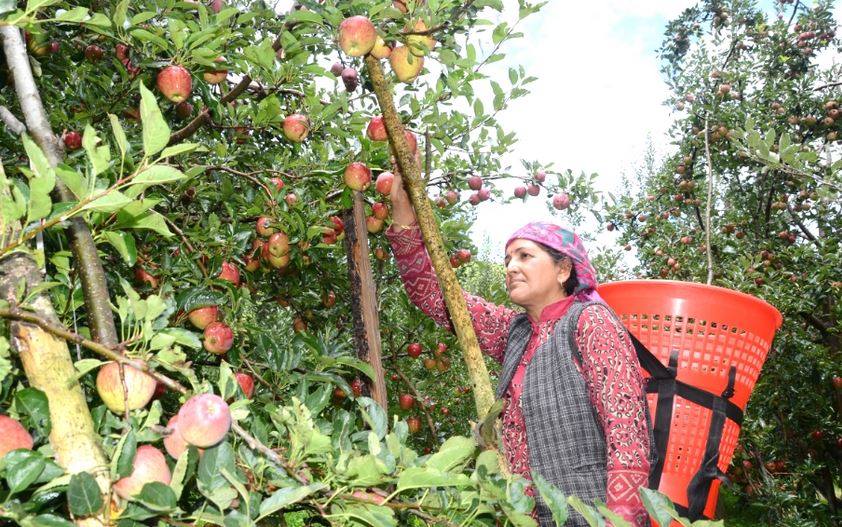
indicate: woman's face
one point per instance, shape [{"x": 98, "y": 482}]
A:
[{"x": 533, "y": 278}]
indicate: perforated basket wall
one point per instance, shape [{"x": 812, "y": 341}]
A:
[{"x": 712, "y": 329}]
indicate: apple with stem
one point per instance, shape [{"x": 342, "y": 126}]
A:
[
  {"x": 175, "y": 83},
  {"x": 218, "y": 338},
  {"x": 140, "y": 387},
  {"x": 414, "y": 350}
]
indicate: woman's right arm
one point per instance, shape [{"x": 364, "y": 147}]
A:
[{"x": 491, "y": 322}]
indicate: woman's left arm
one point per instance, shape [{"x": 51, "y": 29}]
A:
[{"x": 615, "y": 384}]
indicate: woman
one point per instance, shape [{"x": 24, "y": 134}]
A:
[{"x": 575, "y": 405}]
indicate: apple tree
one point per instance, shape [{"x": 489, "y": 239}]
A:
[
  {"x": 183, "y": 186},
  {"x": 750, "y": 201}
]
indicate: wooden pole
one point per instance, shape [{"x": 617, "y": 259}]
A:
[{"x": 364, "y": 298}]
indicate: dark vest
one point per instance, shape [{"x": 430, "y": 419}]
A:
[{"x": 566, "y": 441}]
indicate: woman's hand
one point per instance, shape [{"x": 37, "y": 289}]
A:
[{"x": 402, "y": 212}]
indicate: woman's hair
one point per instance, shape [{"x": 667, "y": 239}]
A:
[{"x": 572, "y": 281}]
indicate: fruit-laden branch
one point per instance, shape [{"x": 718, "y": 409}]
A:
[
  {"x": 49, "y": 368},
  {"x": 82, "y": 244},
  {"x": 453, "y": 296}
]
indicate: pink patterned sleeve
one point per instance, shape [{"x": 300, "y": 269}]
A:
[
  {"x": 616, "y": 388},
  {"x": 491, "y": 322}
]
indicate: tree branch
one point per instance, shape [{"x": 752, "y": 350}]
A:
[
  {"x": 94, "y": 284},
  {"x": 11, "y": 121}
]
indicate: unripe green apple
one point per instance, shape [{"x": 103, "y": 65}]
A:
[{"x": 406, "y": 66}]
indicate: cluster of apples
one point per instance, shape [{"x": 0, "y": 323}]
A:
[
  {"x": 358, "y": 37},
  {"x": 561, "y": 201},
  {"x": 203, "y": 421},
  {"x": 271, "y": 245}
]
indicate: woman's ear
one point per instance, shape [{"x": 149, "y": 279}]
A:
[{"x": 565, "y": 266}]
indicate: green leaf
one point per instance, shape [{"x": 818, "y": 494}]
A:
[
  {"x": 126, "y": 450},
  {"x": 658, "y": 505},
  {"x": 33, "y": 403},
  {"x": 304, "y": 15},
  {"x": 374, "y": 415},
  {"x": 179, "y": 336},
  {"x": 499, "y": 33},
  {"x": 145, "y": 36},
  {"x": 99, "y": 156},
  {"x": 181, "y": 148},
  {"x": 23, "y": 473},
  {"x": 119, "y": 135},
  {"x": 285, "y": 497},
  {"x": 455, "y": 451},
  {"x": 156, "y": 133},
  {"x": 83, "y": 495},
  {"x": 76, "y": 182},
  {"x": 46, "y": 520},
  {"x": 111, "y": 201},
  {"x": 422, "y": 477},
  {"x": 41, "y": 184},
  {"x": 153, "y": 175},
  {"x": 99, "y": 20},
  {"x": 157, "y": 496},
  {"x": 75, "y": 15},
  {"x": 123, "y": 242},
  {"x": 370, "y": 514},
  {"x": 554, "y": 498}
]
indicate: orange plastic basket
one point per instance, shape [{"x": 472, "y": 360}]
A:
[{"x": 712, "y": 329}]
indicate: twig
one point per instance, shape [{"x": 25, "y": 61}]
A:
[
  {"x": 250, "y": 177},
  {"x": 187, "y": 243},
  {"x": 831, "y": 85},
  {"x": 16, "y": 313},
  {"x": 809, "y": 235},
  {"x": 11, "y": 121}
]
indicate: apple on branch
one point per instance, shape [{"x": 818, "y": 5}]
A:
[
  {"x": 140, "y": 387},
  {"x": 13, "y": 436},
  {"x": 296, "y": 127},
  {"x": 383, "y": 184},
  {"x": 357, "y": 36},
  {"x": 204, "y": 420},
  {"x": 149, "y": 465},
  {"x": 217, "y": 75},
  {"x": 357, "y": 176},
  {"x": 405, "y": 65},
  {"x": 175, "y": 83}
]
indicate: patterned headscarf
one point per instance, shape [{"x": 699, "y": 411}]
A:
[{"x": 567, "y": 243}]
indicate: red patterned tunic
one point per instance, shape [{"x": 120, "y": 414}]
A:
[{"x": 609, "y": 366}]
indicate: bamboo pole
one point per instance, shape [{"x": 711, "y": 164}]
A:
[{"x": 453, "y": 296}]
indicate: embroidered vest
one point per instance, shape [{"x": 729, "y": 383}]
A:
[{"x": 565, "y": 439}]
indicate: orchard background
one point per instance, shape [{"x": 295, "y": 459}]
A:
[{"x": 129, "y": 200}]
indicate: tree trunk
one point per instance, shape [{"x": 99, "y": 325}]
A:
[{"x": 364, "y": 298}]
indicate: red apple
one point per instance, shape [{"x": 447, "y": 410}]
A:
[
  {"x": 451, "y": 196},
  {"x": 216, "y": 76},
  {"x": 218, "y": 338},
  {"x": 329, "y": 299},
  {"x": 406, "y": 401},
  {"x": 216, "y": 5},
  {"x": 246, "y": 383},
  {"x": 93, "y": 53},
  {"x": 350, "y": 78},
  {"x": 291, "y": 199},
  {"x": 380, "y": 254},
  {"x": 430, "y": 363},
  {"x": 184, "y": 110},
  {"x": 149, "y": 465},
  {"x": 484, "y": 193},
  {"x": 357, "y": 176},
  {"x": 230, "y": 273},
  {"x": 174, "y": 444},
  {"x": 406, "y": 66},
  {"x": 373, "y": 225},
  {"x": 204, "y": 420},
  {"x": 411, "y": 141},
  {"x": 441, "y": 349},
  {"x": 357, "y": 36},
  {"x": 299, "y": 326},
  {"x": 533, "y": 190},
  {"x": 383, "y": 185},
  {"x": 540, "y": 176},
  {"x": 475, "y": 182},
  {"x": 264, "y": 226},
  {"x": 561, "y": 201},
  {"x": 72, "y": 140},
  {"x": 338, "y": 224},
  {"x": 175, "y": 83},
  {"x": 336, "y": 69},
  {"x": 413, "y": 424},
  {"x": 278, "y": 244},
  {"x": 140, "y": 387},
  {"x": 13, "y": 436},
  {"x": 278, "y": 182},
  {"x": 339, "y": 395},
  {"x": 414, "y": 350},
  {"x": 357, "y": 387},
  {"x": 464, "y": 255},
  {"x": 837, "y": 382},
  {"x": 296, "y": 127},
  {"x": 376, "y": 130},
  {"x": 474, "y": 199},
  {"x": 143, "y": 276},
  {"x": 202, "y": 316},
  {"x": 379, "y": 210},
  {"x": 520, "y": 192}
]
